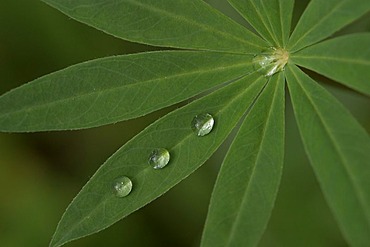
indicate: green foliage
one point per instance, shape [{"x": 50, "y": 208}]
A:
[
  {"x": 271, "y": 19},
  {"x": 346, "y": 156},
  {"x": 244, "y": 195},
  {"x": 118, "y": 88},
  {"x": 180, "y": 24},
  {"x": 343, "y": 59},
  {"x": 322, "y": 18},
  {"x": 113, "y": 89},
  {"x": 99, "y": 207}
]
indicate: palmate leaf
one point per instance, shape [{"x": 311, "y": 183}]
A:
[
  {"x": 271, "y": 19},
  {"x": 338, "y": 149},
  {"x": 182, "y": 23},
  {"x": 96, "y": 207},
  {"x": 323, "y": 18},
  {"x": 345, "y": 59},
  {"x": 249, "y": 178},
  {"x": 117, "y": 88}
]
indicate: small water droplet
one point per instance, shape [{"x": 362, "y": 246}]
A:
[
  {"x": 159, "y": 158},
  {"x": 270, "y": 61},
  {"x": 122, "y": 186},
  {"x": 202, "y": 124}
]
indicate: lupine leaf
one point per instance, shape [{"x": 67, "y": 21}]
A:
[
  {"x": 338, "y": 149},
  {"x": 249, "y": 178},
  {"x": 323, "y": 18},
  {"x": 96, "y": 207},
  {"x": 182, "y": 23},
  {"x": 271, "y": 19},
  {"x": 113, "y": 89},
  {"x": 345, "y": 59}
]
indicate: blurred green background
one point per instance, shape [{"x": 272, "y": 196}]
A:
[{"x": 40, "y": 173}]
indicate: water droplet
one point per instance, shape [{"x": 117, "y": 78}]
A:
[
  {"x": 270, "y": 61},
  {"x": 202, "y": 124},
  {"x": 122, "y": 186},
  {"x": 159, "y": 158}
]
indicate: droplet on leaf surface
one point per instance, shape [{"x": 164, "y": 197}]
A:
[
  {"x": 122, "y": 186},
  {"x": 159, "y": 158},
  {"x": 270, "y": 61},
  {"x": 202, "y": 124}
]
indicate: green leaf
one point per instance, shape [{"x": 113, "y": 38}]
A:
[
  {"x": 271, "y": 19},
  {"x": 338, "y": 149},
  {"x": 345, "y": 59},
  {"x": 285, "y": 16},
  {"x": 113, "y": 89},
  {"x": 96, "y": 207},
  {"x": 182, "y": 23},
  {"x": 323, "y": 18},
  {"x": 248, "y": 182}
]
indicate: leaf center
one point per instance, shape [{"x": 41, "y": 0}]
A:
[{"x": 271, "y": 61}]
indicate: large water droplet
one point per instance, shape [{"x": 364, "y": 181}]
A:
[
  {"x": 159, "y": 158},
  {"x": 270, "y": 61},
  {"x": 202, "y": 124},
  {"x": 122, "y": 186}
]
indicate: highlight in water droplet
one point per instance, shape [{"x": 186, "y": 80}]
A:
[
  {"x": 202, "y": 124},
  {"x": 159, "y": 158},
  {"x": 270, "y": 61},
  {"x": 122, "y": 186}
]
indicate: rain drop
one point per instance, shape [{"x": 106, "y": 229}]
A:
[
  {"x": 159, "y": 158},
  {"x": 122, "y": 186},
  {"x": 270, "y": 61},
  {"x": 202, "y": 124}
]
